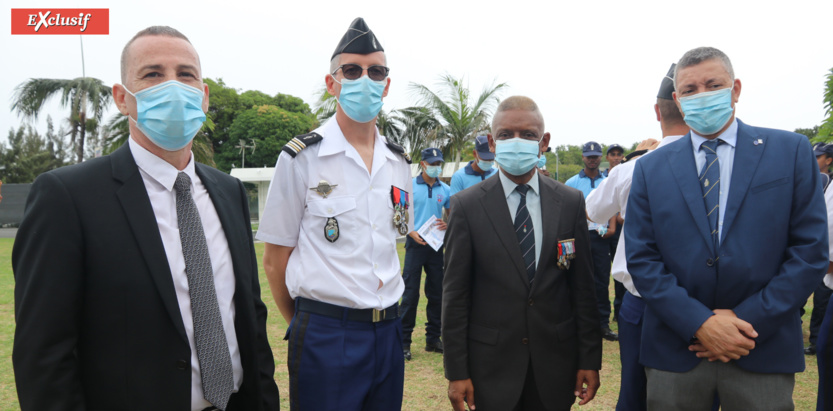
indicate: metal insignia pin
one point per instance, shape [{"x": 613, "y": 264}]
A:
[
  {"x": 324, "y": 188},
  {"x": 706, "y": 184},
  {"x": 331, "y": 230}
]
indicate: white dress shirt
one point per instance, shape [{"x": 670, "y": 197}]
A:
[
  {"x": 346, "y": 272},
  {"x": 726, "y": 159},
  {"x": 828, "y": 200},
  {"x": 159, "y": 177},
  {"x": 533, "y": 205},
  {"x": 611, "y": 197}
]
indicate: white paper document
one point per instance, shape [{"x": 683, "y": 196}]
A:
[{"x": 431, "y": 234}]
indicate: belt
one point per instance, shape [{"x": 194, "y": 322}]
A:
[{"x": 367, "y": 315}]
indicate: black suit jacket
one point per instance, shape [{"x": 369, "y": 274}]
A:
[
  {"x": 493, "y": 324},
  {"x": 98, "y": 325}
]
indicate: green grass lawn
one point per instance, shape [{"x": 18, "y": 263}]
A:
[{"x": 425, "y": 386}]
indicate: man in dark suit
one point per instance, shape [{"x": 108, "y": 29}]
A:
[
  {"x": 136, "y": 276},
  {"x": 725, "y": 240},
  {"x": 519, "y": 320}
]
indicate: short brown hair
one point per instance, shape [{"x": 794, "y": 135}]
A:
[{"x": 150, "y": 31}]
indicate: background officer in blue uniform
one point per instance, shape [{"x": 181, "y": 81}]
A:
[
  {"x": 477, "y": 170},
  {"x": 430, "y": 198}
]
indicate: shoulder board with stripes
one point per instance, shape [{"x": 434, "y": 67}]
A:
[
  {"x": 396, "y": 148},
  {"x": 298, "y": 143}
]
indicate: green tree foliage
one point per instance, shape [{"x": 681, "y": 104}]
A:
[
  {"x": 26, "y": 154},
  {"x": 826, "y": 129},
  {"x": 811, "y": 133},
  {"x": 80, "y": 94},
  {"x": 268, "y": 128}
]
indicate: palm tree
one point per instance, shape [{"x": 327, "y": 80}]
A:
[
  {"x": 79, "y": 94},
  {"x": 460, "y": 120},
  {"x": 418, "y": 130}
]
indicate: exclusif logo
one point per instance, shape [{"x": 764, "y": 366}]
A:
[{"x": 60, "y": 21}]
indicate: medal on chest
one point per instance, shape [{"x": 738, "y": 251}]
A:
[
  {"x": 566, "y": 252},
  {"x": 401, "y": 203}
]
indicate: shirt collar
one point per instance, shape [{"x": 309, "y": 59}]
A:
[
  {"x": 421, "y": 180},
  {"x": 668, "y": 140},
  {"x": 509, "y": 185},
  {"x": 581, "y": 174},
  {"x": 335, "y": 142},
  {"x": 158, "y": 169},
  {"x": 730, "y": 136}
]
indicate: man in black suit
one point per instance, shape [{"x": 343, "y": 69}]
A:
[
  {"x": 136, "y": 277},
  {"x": 519, "y": 321}
]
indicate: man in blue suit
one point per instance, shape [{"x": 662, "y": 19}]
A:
[{"x": 726, "y": 238}]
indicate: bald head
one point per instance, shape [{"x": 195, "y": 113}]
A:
[
  {"x": 518, "y": 103},
  {"x": 150, "y": 31}
]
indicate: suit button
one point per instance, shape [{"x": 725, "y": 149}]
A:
[
  {"x": 710, "y": 262},
  {"x": 525, "y": 341},
  {"x": 530, "y": 301},
  {"x": 181, "y": 365}
]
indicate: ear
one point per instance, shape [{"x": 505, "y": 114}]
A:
[
  {"x": 205, "y": 98},
  {"x": 387, "y": 87},
  {"x": 545, "y": 142},
  {"x": 736, "y": 91},
  {"x": 120, "y": 98},
  {"x": 491, "y": 142},
  {"x": 677, "y": 102},
  {"x": 656, "y": 110},
  {"x": 330, "y": 82}
]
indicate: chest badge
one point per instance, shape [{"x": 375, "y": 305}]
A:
[
  {"x": 331, "y": 230},
  {"x": 324, "y": 188},
  {"x": 401, "y": 203},
  {"x": 566, "y": 252}
]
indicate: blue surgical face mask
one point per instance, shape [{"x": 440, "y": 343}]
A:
[
  {"x": 707, "y": 113},
  {"x": 516, "y": 155},
  {"x": 485, "y": 165},
  {"x": 169, "y": 114},
  {"x": 542, "y": 161},
  {"x": 361, "y": 99},
  {"x": 433, "y": 171}
]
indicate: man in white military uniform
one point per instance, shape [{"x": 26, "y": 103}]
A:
[{"x": 337, "y": 203}]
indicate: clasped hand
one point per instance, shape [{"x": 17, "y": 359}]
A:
[{"x": 724, "y": 337}]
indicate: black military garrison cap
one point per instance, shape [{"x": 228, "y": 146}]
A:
[
  {"x": 667, "y": 85},
  {"x": 359, "y": 39}
]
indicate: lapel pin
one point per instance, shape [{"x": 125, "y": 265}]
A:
[{"x": 758, "y": 141}]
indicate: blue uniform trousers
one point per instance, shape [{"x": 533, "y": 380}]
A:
[
  {"x": 600, "y": 248},
  {"x": 824, "y": 353},
  {"x": 633, "y": 386},
  {"x": 418, "y": 257},
  {"x": 337, "y": 364},
  {"x": 821, "y": 297}
]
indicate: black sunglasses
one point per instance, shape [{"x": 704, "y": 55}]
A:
[{"x": 354, "y": 71}]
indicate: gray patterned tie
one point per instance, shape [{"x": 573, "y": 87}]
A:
[{"x": 209, "y": 337}]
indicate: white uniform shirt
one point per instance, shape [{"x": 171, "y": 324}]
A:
[
  {"x": 345, "y": 272},
  {"x": 611, "y": 197},
  {"x": 828, "y": 200},
  {"x": 159, "y": 177}
]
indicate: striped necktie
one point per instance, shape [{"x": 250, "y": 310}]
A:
[
  {"x": 526, "y": 233},
  {"x": 710, "y": 183}
]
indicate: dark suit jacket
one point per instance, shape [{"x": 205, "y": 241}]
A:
[
  {"x": 772, "y": 255},
  {"x": 98, "y": 325},
  {"x": 493, "y": 325}
]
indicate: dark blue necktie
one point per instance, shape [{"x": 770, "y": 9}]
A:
[
  {"x": 525, "y": 233},
  {"x": 710, "y": 183}
]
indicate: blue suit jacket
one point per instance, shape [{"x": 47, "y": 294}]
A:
[{"x": 773, "y": 249}]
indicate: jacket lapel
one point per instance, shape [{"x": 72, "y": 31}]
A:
[
  {"x": 497, "y": 211},
  {"x": 684, "y": 169},
  {"x": 136, "y": 204},
  {"x": 747, "y": 158},
  {"x": 550, "y": 215}
]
